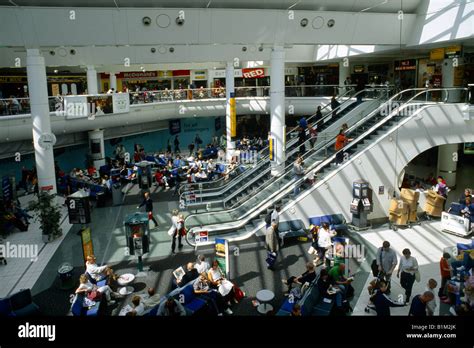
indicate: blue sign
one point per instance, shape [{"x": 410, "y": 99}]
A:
[
  {"x": 218, "y": 123},
  {"x": 175, "y": 127}
]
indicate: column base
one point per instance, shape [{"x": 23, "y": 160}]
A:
[{"x": 277, "y": 169}]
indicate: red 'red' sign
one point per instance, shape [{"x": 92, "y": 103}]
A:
[{"x": 253, "y": 73}]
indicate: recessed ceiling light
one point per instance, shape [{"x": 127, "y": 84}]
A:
[{"x": 55, "y": 71}]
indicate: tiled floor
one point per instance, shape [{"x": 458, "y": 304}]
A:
[
  {"x": 426, "y": 243},
  {"x": 22, "y": 273}
]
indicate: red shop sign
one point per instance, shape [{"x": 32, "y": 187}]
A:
[{"x": 253, "y": 73}]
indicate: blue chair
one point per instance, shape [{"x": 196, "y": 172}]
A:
[
  {"x": 99, "y": 283},
  {"x": 192, "y": 303},
  {"x": 6, "y": 308},
  {"x": 22, "y": 304},
  {"x": 77, "y": 308}
]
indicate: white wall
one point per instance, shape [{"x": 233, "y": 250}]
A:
[{"x": 382, "y": 162}]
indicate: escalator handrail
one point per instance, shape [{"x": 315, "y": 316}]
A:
[{"x": 290, "y": 185}]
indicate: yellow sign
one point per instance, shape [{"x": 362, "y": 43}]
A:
[
  {"x": 452, "y": 51},
  {"x": 271, "y": 147},
  {"x": 437, "y": 54},
  {"x": 458, "y": 77},
  {"x": 87, "y": 247},
  {"x": 55, "y": 89},
  {"x": 233, "y": 117}
]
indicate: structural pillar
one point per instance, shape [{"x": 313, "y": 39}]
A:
[
  {"x": 92, "y": 84},
  {"x": 229, "y": 89},
  {"x": 43, "y": 138},
  {"x": 113, "y": 81},
  {"x": 277, "y": 110},
  {"x": 450, "y": 69},
  {"x": 96, "y": 148},
  {"x": 344, "y": 72},
  {"x": 448, "y": 162}
]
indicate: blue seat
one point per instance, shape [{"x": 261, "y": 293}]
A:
[
  {"x": 192, "y": 303},
  {"x": 22, "y": 304},
  {"x": 77, "y": 308},
  {"x": 6, "y": 308},
  {"x": 100, "y": 282},
  {"x": 291, "y": 228}
]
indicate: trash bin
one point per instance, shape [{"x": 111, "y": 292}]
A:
[
  {"x": 65, "y": 272},
  {"x": 100, "y": 199},
  {"x": 117, "y": 194}
]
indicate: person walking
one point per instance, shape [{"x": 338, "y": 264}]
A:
[
  {"x": 176, "y": 145},
  {"x": 334, "y": 105},
  {"x": 177, "y": 225},
  {"x": 319, "y": 114},
  {"x": 341, "y": 141},
  {"x": 271, "y": 242},
  {"x": 407, "y": 268},
  {"x": 386, "y": 262},
  {"x": 313, "y": 135},
  {"x": 324, "y": 243},
  {"x": 382, "y": 302},
  {"x": 445, "y": 271},
  {"x": 148, "y": 203}
]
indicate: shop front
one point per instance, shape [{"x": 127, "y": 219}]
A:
[
  {"x": 199, "y": 78},
  {"x": 246, "y": 81},
  {"x": 57, "y": 84},
  {"x": 139, "y": 80},
  {"x": 405, "y": 73}
]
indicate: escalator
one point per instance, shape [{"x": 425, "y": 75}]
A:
[
  {"x": 258, "y": 177},
  {"x": 247, "y": 218}
]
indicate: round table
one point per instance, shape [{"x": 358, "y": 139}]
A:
[
  {"x": 265, "y": 296},
  {"x": 124, "y": 280}
]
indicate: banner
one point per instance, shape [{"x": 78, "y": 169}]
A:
[
  {"x": 201, "y": 237},
  {"x": 217, "y": 123},
  {"x": 233, "y": 116},
  {"x": 271, "y": 146},
  {"x": 253, "y": 73},
  {"x": 222, "y": 255},
  {"x": 437, "y": 54},
  {"x": 87, "y": 247},
  {"x": 120, "y": 103},
  {"x": 175, "y": 127}
]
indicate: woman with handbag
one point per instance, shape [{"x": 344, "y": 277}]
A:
[
  {"x": 408, "y": 273},
  {"x": 175, "y": 230},
  {"x": 95, "y": 293}
]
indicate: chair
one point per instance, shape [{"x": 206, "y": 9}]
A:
[
  {"x": 192, "y": 303},
  {"x": 22, "y": 303},
  {"x": 78, "y": 309},
  {"x": 99, "y": 283},
  {"x": 6, "y": 308}
]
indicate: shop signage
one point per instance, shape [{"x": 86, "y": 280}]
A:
[
  {"x": 253, "y": 73},
  {"x": 437, "y": 54},
  {"x": 408, "y": 64},
  {"x": 291, "y": 71},
  {"x": 180, "y": 72},
  {"x": 221, "y": 73},
  {"x": 359, "y": 69},
  {"x": 201, "y": 237},
  {"x": 199, "y": 75},
  {"x": 175, "y": 127},
  {"x": 452, "y": 51},
  {"x": 120, "y": 103},
  {"x": 165, "y": 73},
  {"x": 137, "y": 74},
  {"x": 13, "y": 79}
]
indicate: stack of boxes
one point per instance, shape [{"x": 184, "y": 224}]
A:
[
  {"x": 434, "y": 203},
  {"x": 402, "y": 211},
  {"x": 411, "y": 197},
  {"x": 398, "y": 212}
]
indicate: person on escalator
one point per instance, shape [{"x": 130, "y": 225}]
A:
[
  {"x": 334, "y": 105},
  {"x": 301, "y": 140},
  {"x": 359, "y": 88},
  {"x": 319, "y": 114},
  {"x": 313, "y": 135},
  {"x": 341, "y": 141}
]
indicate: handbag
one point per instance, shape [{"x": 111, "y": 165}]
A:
[
  {"x": 171, "y": 231},
  {"x": 94, "y": 295},
  {"x": 312, "y": 250},
  {"x": 417, "y": 276},
  {"x": 239, "y": 294},
  {"x": 183, "y": 231},
  {"x": 225, "y": 287}
]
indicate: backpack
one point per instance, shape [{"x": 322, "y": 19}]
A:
[{"x": 268, "y": 218}]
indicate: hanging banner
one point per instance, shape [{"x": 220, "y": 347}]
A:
[
  {"x": 175, "y": 127},
  {"x": 121, "y": 103},
  {"x": 253, "y": 73},
  {"x": 55, "y": 89},
  {"x": 222, "y": 255},
  {"x": 86, "y": 239},
  {"x": 233, "y": 116},
  {"x": 271, "y": 146}
]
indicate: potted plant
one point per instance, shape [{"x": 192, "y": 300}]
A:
[{"x": 49, "y": 216}]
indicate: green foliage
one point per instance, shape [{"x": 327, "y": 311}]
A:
[{"x": 48, "y": 214}]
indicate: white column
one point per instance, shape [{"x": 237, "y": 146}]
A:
[
  {"x": 97, "y": 148},
  {"x": 38, "y": 92},
  {"x": 277, "y": 108},
  {"x": 448, "y": 162},
  {"x": 448, "y": 73},
  {"x": 92, "y": 84},
  {"x": 344, "y": 72},
  {"x": 229, "y": 88},
  {"x": 113, "y": 81}
]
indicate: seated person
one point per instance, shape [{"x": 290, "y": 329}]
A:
[
  {"x": 306, "y": 277},
  {"x": 296, "y": 311},
  {"x": 95, "y": 271},
  {"x": 336, "y": 276},
  {"x": 138, "y": 306},
  {"x": 150, "y": 299},
  {"x": 191, "y": 274},
  {"x": 202, "y": 286},
  {"x": 86, "y": 287},
  {"x": 171, "y": 308},
  {"x": 326, "y": 289},
  {"x": 468, "y": 208},
  {"x": 467, "y": 193},
  {"x": 218, "y": 281},
  {"x": 161, "y": 179},
  {"x": 201, "y": 176},
  {"x": 464, "y": 263}
]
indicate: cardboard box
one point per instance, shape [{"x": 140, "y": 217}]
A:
[
  {"x": 398, "y": 206},
  {"x": 398, "y": 219},
  {"x": 409, "y": 196},
  {"x": 434, "y": 199},
  {"x": 433, "y": 210},
  {"x": 412, "y": 216}
]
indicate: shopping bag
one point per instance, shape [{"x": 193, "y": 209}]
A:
[
  {"x": 225, "y": 287},
  {"x": 171, "y": 231}
]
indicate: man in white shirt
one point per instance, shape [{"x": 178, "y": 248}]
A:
[
  {"x": 95, "y": 271},
  {"x": 201, "y": 264},
  {"x": 324, "y": 242},
  {"x": 138, "y": 306}
]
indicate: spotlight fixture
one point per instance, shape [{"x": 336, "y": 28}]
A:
[
  {"x": 244, "y": 48},
  {"x": 304, "y": 22},
  {"x": 260, "y": 48},
  {"x": 153, "y": 50},
  {"x": 179, "y": 20},
  {"x": 146, "y": 21},
  {"x": 331, "y": 23},
  {"x": 52, "y": 53},
  {"x": 171, "y": 49},
  {"x": 72, "y": 52}
]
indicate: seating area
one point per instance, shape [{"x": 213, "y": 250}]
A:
[
  {"x": 19, "y": 304},
  {"x": 291, "y": 229},
  {"x": 336, "y": 222}
]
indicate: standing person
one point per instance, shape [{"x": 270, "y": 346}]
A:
[
  {"x": 419, "y": 304},
  {"x": 334, "y": 105},
  {"x": 301, "y": 139},
  {"x": 386, "y": 262},
  {"x": 431, "y": 305},
  {"x": 148, "y": 203},
  {"x": 176, "y": 145},
  {"x": 175, "y": 220},
  {"x": 347, "y": 83},
  {"x": 406, "y": 272},
  {"x": 359, "y": 88},
  {"x": 319, "y": 114},
  {"x": 197, "y": 141},
  {"x": 271, "y": 239},
  {"x": 168, "y": 145},
  {"x": 341, "y": 141},
  {"x": 303, "y": 123},
  {"x": 324, "y": 243},
  {"x": 382, "y": 302},
  {"x": 445, "y": 272},
  {"x": 191, "y": 149},
  {"x": 442, "y": 189},
  {"x": 313, "y": 134},
  {"x": 298, "y": 170}
]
